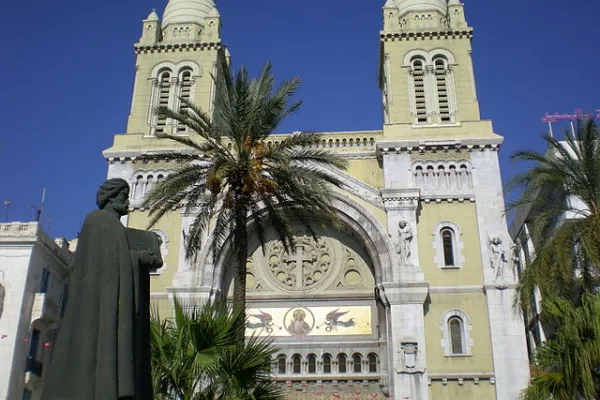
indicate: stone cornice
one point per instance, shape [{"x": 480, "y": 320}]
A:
[
  {"x": 391, "y": 36},
  {"x": 456, "y": 289},
  {"x": 166, "y": 47},
  {"x": 134, "y": 156},
  {"x": 450, "y": 198},
  {"x": 460, "y": 377},
  {"x": 385, "y": 147}
]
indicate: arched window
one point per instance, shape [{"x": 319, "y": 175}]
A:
[
  {"x": 357, "y": 363},
  {"x": 326, "y": 364},
  {"x": 418, "y": 76},
  {"x": 465, "y": 179},
  {"x": 372, "y": 363},
  {"x": 456, "y": 332},
  {"x": 296, "y": 364},
  {"x": 448, "y": 246},
  {"x": 164, "y": 251},
  {"x": 441, "y": 71},
  {"x": 419, "y": 176},
  {"x": 149, "y": 184},
  {"x": 312, "y": 364},
  {"x": 442, "y": 180},
  {"x": 164, "y": 92},
  {"x": 342, "y": 361},
  {"x": 185, "y": 92},
  {"x": 455, "y": 327},
  {"x": 139, "y": 188},
  {"x": 281, "y": 361},
  {"x": 430, "y": 176}
]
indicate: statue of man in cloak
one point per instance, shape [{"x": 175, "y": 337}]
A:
[{"x": 103, "y": 346}]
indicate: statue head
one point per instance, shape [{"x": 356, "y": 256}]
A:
[
  {"x": 114, "y": 195},
  {"x": 402, "y": 224},
  {"x": 496, "y": 241}
]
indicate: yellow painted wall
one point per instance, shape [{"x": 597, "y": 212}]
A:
[
  {"x": 475, "y": 306},
  {"x": 368, "y": 170},
  {"x": 467, "y": 391},
  {"x": 465, "y": 216}
]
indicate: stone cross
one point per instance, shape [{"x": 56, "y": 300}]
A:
[{"x": 298, "y": 257}]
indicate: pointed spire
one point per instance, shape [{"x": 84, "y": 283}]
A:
[{"x": 153, "y": 16}]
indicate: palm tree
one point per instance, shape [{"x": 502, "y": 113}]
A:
[
  {"x": 567, "y": 364},
  {"x": 232, "y": 178},
  {"x": 563, "y": 182},
  {"x": 196, "y": 356}
]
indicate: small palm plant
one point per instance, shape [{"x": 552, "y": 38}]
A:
[
  {"x": 232, "y": 178},
  {"x": 567, "y": 365},
  {"x": 197, "y": 356},
  {"x": 563, "y": 190}
]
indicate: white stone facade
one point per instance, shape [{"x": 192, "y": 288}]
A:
[{"x": 33, "y": 277}]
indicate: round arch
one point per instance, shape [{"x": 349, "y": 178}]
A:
[{"x": 356, "y": 218}]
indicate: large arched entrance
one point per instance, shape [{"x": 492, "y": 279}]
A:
[{"x": 318, "y": 303}]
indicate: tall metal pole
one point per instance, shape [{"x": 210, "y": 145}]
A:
[{"x": 6, "y": 205}]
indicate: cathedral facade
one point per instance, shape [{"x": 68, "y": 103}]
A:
[{"x": 411, "y": 298}]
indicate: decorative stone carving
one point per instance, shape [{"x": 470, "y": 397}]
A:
[
  {"x": 410, "y": 354},
  {"x": 405, "y": 234},
  {"x": 409, "y": 360},
  {"x": 305, "y": 267},
  {"x": 498, "y": 258}
]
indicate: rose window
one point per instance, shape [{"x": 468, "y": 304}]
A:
[{"x": 307, "y": 264}]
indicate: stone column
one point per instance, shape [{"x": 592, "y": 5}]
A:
[
  {"x": 511, "y": 366},
  {"x": 407, "y": 349},
  {"x": 405, "y": 297}
]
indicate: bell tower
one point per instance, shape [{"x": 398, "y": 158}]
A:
[
  {"x": 426, "y": 71},
  {"x": 175, "y": 60}
]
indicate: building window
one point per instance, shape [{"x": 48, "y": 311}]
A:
[
  {"x": 342, "y": 361},
  {"x": 312, "y": 364},
  {"x": 418, "y": 80},
  {"x": 456, "y": 335},
  {"x": 372, "y": 363},
  {"x": 456, "y": 332},
  {"x": 164, "y": 246},
  {"x": 34, "y": 344},
  {"x": 326, "y": 364},
  {"x": 441, "y": 70},
  {"x": 448, "y": 245},
  {"x": 45, "y": 280},
  {"x": 357, "y": 363},
  {"x": 185, "y": 93},
  {"x": 164, "y": 92},
  {"x": 281, "y": 361},
  {"x": 296, "y": 364},
  {"x": 431, "y": 86}
]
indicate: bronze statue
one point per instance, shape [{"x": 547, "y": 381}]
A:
[{"x": 103, "y": 347}]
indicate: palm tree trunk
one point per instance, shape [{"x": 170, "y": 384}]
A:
[{"x": 240, "y": 237}]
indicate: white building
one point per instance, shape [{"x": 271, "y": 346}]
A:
[
  {"x": 521, "y": 231},
  {"x": 33, "y": 291}
]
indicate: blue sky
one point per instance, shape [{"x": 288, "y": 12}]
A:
[{"x": 68, "y": 66}]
